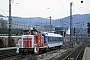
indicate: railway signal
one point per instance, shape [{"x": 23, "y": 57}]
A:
[
  {"x": 88, "y": 29},
  {"x": 64, "y": 33},
  {"x": 74, "y": 30}
]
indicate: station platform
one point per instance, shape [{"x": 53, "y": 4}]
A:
[{"x": 86, "y": 55}]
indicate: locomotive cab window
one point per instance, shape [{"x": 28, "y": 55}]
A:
[
  {"x": 34, "y": 32},
  {"x": 26, "y": 32}
]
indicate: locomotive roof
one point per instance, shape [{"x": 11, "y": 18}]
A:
[{"x": 53, "y": 34}]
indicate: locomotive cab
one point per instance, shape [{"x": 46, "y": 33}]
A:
[{"x": 31, "y": 41}]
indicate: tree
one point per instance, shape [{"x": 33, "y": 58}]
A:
[{"x": 3, "y": 26}]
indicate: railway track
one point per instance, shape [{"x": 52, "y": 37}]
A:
[
  {"x": 19, "y": 57},
  {"x": 11, "y": 54},
  {"x": 76, "y": 53},
  {"x": 7, "y": 52}
]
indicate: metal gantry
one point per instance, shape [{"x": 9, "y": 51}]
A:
[
  {"x": 9, "y": 34},
  {"x": 71, "y": 43},
  {"x": 50, "y": 23}
]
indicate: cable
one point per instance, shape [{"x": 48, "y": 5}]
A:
[
  {"x": 63, "y": 6},
  {"x": 4, "y": 13},
  {"x": 83, "y": 10},
  {"x": 23, "y": 9}
]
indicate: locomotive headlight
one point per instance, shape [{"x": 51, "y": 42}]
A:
[{"x": 25, "y": 50}]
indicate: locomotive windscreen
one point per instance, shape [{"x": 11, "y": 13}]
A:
[{"x": 26, "y": 32}]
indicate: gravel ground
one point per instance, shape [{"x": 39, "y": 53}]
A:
[
  {"x": 45, "y": 56},
  {"x": 53, "y": 54}
]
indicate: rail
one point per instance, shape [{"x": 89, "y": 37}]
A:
[
  {"x": 75, "y": 54},
  {"x": 7, "y": 52}
]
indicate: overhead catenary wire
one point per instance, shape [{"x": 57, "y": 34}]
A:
[
  {"x": 63, "y": 6},
  {"x": 3, "y": 12},
  {"x": 16, "y": 4},
  {"x": 82, "y": 10}
]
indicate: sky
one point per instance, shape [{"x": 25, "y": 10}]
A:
[{"x": 44, "y": 8}]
